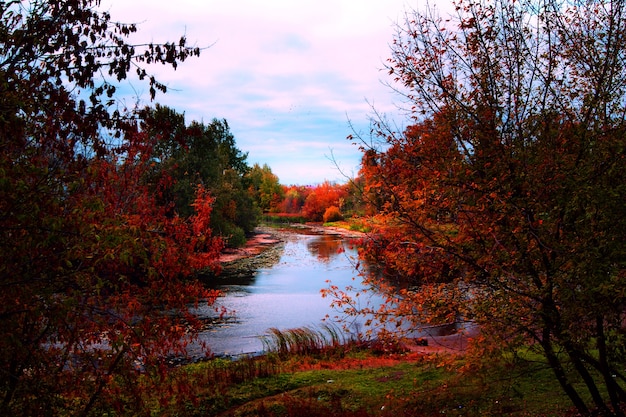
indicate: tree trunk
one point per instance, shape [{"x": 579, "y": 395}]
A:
[
  {"x": 559, "y": 372},
  {"x": 614, "y": 390}
]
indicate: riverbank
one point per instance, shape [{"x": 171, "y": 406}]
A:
[
  {"x": 354, "y": 382},
  {"x": 262, "y": 239},
  {"x": 264, "y": 248},
  {"x": 266, "y": 237}
]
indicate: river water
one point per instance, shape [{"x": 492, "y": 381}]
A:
[{"x": 283, "y": 295}]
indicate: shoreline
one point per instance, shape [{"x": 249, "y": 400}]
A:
[
  {"x": 262, "y": 248},
  {"x": 262, "y": 239},
  {"x": 266, "y": 237}
]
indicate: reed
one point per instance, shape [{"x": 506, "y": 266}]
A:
[{"x": 304, "y": 340}]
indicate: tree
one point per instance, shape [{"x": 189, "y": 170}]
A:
[
  {"x": 320, "y": 198},
  {"x": 332, "y": 214},
  {"x": 265, "y": 188},
  {"x": 502, "y": 203},
  {"x": 295, "y": 196},
  {"x": 355, "y": 201},
  {"x": 95, "y": 274},
  {"x": 205, "y": 155}
]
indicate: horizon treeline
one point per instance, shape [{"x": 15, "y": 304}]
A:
[{"x": 199, "y": 154}]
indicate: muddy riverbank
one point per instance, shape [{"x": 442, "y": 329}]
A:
[{"x": 263, "y": 248}]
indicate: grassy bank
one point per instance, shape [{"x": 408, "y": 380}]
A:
[
  {"x": 359, "y": 380},
  {"x": 282, "y": 218}
]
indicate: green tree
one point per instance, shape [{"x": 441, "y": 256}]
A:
[
  {"x": 91, "y": 266},
  {"x": 265, "y": 188},
  {"x": 502, "y": 203},
  {"x": 205, "y": 155}
]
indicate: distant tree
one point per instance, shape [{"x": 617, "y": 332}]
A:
[
  {"x": 503, "y": 201},
  {"x": 294, "y": 199},
  {"x": 332, "y": 214},
  {"x": 265, "y": 188},
  {"x": 94, "y": 272},
  {"x": 320, "y": 198}
]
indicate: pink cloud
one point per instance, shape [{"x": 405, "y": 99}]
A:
[{"x": 276, "y": 70}]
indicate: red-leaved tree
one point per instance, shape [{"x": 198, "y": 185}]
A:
[
  {"x": 95, "y": 274},
  {"x": 502, "y": 203},
  {"x": 322, "y": 197}
]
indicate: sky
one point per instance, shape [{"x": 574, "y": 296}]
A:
[{"x": 292, "y": 78}]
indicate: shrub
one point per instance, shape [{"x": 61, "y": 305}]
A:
[
  {"x": 332, "y": 214},
  {"x": 233, "y": 235}
]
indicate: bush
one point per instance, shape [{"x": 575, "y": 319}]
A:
[
  {"x": 233, "y": 235},
  {"x": 332, "y": 214}
]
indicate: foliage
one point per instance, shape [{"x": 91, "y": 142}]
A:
[
  {"x": 94, "y": 269},
  {"x": 283, "y": 218},
  {"x": 265, "y": 188},
  {"x": 294, "y": 198},
  {"x": 320, "y": 198},
  {"x": 207, "y": 155},
  {"x": 310, "y": 201},
  {"x": 502, "y": 202},
  {"x": 354, "y": 204},
  {"x": 332, "y": 214}
]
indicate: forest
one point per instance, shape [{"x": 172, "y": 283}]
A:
[{"x": 500, "y": 204}]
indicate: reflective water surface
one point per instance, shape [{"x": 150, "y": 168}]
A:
[{"x": 285, "y": 295}]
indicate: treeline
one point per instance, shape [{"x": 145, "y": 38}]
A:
[
  {"x": 325, "y": 202},
  {"x": 198, "y": 154},
  {"x": 204, "y": 155}
]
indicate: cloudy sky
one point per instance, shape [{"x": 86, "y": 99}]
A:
[{"x": 288, "y": 76}]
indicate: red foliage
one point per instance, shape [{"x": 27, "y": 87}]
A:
[
  {"x": 502, "y": 204},
  {"x": 106, "y": 269},
  {"x": 94, "y": 272},
  {"x": 294, "y": 198},
  {"x": 322, "y": 197}
]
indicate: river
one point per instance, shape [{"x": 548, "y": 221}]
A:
[{"x": 284, "y": 294}]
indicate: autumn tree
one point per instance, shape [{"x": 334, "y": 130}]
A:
[
  {"x": 207, "y": 155},
  {"x": 354, "y": 203},
  {"x": 502, "y": 202},
  {"x": 294, "y": 198},
  {"x": 322, "y": 197},
  {"x": 95, "y": 273}
]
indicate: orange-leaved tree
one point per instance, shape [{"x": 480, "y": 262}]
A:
[
  {"x": 294, "y": 198},
  {"x": 94, "y": 273},
  {"x": 322, "y": 197},
  {"x": 502, "y": 203}
]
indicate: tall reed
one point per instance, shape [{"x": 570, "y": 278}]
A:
[{"x": 303, "y": 340}]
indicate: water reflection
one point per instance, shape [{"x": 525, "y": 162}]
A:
[
  {"x": 325, "y": 247},
  {"x": 282, "y": 294}
]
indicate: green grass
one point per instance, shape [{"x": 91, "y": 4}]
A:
[
  {"x": 403, "y": 389},
  {"x": 352, "y": 224},
  {"x": 282, "y": 218},
  {"x": 353, "y": 381}
]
